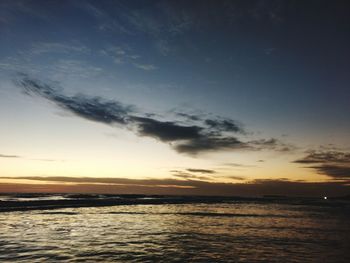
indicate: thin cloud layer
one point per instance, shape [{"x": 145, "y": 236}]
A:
[{"x": 209, "y": 134}]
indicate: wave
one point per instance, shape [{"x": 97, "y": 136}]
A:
[
  {"x": 39, "y": 202},
  {"x": 203, "y": 214}
]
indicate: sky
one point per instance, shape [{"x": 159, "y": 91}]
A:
[{"x": 175, "y": 97}]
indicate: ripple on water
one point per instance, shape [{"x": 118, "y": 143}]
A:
[{"x": 177, "y": 233}]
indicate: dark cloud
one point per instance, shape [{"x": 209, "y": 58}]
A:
[
  {"x": 189, "y": 176},
  {"x": 266, "y": 142},
  {"x": 335, "y": 164},
  {"x": 272, "y": 144},
  {"x": 91, "y": 108},
  {"x": 166, "y": 131},
  {"x": 334, "y": 171},
  {"x": 209, "y": 134},
  {"x": 187, "y": 139},
  {"x": 240, "y": 178},
  {"x": 190, "y": 117},
  {"x": 203, "y": 171},
  {"x": 325, "y": 157},
  {"x": 210, "y": 143},
  {"x": 9, "y": 156},
  {"x": 217, "y": 124},
  {"x": 176, "y": 186}
]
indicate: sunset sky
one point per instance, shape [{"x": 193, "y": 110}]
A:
[{"x": 175, "y": 97}]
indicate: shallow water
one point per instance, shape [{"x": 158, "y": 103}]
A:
[{"x": 233, "y": 232}]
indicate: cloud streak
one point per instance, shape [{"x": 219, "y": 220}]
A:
[
  {"x": 202, "y": 171},
  {"x": 124, "y": 55},
  {"x": 95, "y": 108},
  {"x": 196, "y": 135},
  {"x": 189, "y": 176},
  {"x": 9, "y": 156},
  {"x": 146, "y": 67}
]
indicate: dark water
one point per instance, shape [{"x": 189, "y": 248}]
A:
[{"x": 219, "y": 232}]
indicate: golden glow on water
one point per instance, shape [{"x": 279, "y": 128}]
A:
[{"x": 244, "y": 232}]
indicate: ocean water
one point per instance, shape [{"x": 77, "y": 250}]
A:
[{"x": 217, "y": 232}]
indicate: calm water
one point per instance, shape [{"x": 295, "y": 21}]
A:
[{"x": 236, "y": 232}]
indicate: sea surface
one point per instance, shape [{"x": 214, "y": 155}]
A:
[{"x": 230, "y": 231}]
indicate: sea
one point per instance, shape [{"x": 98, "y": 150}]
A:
[{"x": 185, "y": 230}]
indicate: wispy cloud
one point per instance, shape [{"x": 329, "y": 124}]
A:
[
  {"x": 146, "y": 67},
  {"x": 60, "y": 69},
  {"x": 125, "y": 55},
  {"x": 160, "y": 22},
  {"x": 202, "y": 171},
  {"x": 189, "y": 176},
  {"x": 76, "y": 68},
  {"x": 190, "y": 117},
  {"x": 12, "y": 10},
  {"x": 238, "y": 165},
  {"x": 104, "y": 20},
  {"x": 224, "y": 125},
  {"x": 9, "y": 156},
  {"x": 56, "y": 47},
  {"x": 313, "y": 157},
  {"x": 273, "y": 144},
  {"x": 68, "y": 60},
  {"x": 234, "y": 177},
  {"x": 14, "y": 64},
  {"x": 206, "y": 135}
]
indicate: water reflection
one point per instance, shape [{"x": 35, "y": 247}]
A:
[{"x": 238, "y": 232}]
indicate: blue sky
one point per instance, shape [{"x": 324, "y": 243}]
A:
[{"x": 277, "y": 70}]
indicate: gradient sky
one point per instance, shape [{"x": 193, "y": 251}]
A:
[{"x": 178, "y": 97}]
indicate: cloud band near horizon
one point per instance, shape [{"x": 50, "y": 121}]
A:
[{"x": 171, "y": 186}]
